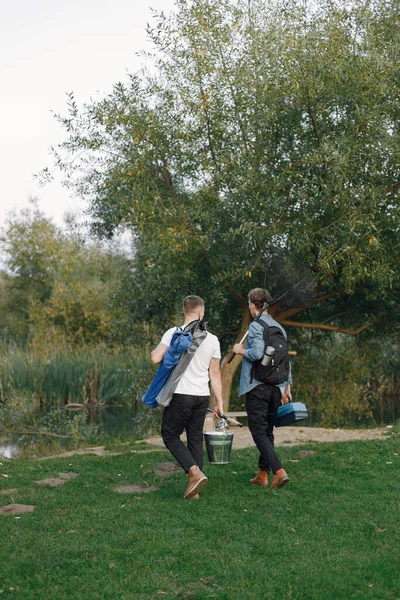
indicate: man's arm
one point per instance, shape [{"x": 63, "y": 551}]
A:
[
  {"x": 158, "y": 353},
  {"x": 255, "y": 343},
  {"x": 216, "y": 384}
]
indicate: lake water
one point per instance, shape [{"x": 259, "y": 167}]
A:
[
  {"x": 8, "y": 449},
  {"x": 108, "y": 421}
]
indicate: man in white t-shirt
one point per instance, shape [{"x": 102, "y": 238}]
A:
[{"x": 190, "y": 401}]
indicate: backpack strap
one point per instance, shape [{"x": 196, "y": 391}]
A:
[
  {"x": 253, "y": 365},
  {"x": 266, "y": 327}
]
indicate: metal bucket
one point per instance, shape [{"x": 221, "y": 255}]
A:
[{"x": 218, "y": 444}]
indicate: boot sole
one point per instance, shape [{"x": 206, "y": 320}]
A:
[
  {"x": 196, "y": 488},
  {"x": 280, "y": 483},
  {"x": 257, "y": 483}
]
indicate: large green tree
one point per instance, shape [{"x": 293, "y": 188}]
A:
[{"x": 259, "y": 122}]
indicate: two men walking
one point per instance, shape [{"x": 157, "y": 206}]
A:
[{"x": 188, "y": 407}]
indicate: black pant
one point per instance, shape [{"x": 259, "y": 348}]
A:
[
  {"x": 185, "y": 412},
  {"x": 262, "y": 403}
]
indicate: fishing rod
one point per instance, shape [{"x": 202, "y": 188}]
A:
[{"x": 229, "y": 419}]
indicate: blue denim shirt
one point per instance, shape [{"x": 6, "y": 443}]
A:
[{"x": 254, "y": 351}]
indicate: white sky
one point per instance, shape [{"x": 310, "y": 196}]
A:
[{"x": 48, "y": 48}]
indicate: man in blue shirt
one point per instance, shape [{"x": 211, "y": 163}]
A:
[{"x": 262, "y": 399}]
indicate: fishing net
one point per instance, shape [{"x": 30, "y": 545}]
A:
[{"x": 289, "y": 281}]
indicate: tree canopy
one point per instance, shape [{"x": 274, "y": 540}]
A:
[{"x": 258, "y": 122}]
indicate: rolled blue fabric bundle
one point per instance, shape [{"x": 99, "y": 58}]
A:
[
  {"x": 165, "y": 396},
  {"x": 181, "y": 340}
]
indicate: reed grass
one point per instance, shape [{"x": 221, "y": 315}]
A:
[{"x": 97, "y": 375}]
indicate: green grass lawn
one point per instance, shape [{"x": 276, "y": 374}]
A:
[{"x": 332, "y": 533}]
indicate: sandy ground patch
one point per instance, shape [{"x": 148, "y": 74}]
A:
[
  {"x": 8, "y": 492},
  {"x": 51, "y": 482},
  {"x": 16, "y": 509},
  {"x": 137, "y": 489},
  {"x": 96, "y": 450},
  {"x": 291, "y": 436},
  {"x": 242, "y": 439}
]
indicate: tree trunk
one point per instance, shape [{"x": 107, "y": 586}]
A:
[{"x": 228, "y": 369}]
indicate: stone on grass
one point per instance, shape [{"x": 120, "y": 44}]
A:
[
  {"x": 97, "y": 450},
  {"x": 304, "y": 453},
  {"x": 51, "y": 482},
  {"x": 9, "y": 491},
  {"x": 166, "y": 469},
  {"x": 67, "y": 476},
  {"x": 15, "y": 509},
  {"x": 137, "y": 489}
]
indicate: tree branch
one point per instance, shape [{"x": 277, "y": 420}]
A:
[
  {"x": 309, "y": 107},
  {"x": 333, "y": 317},
  {"x": 327, "y": 327},
  {"x": 293, "y": 311},
  {"x": 328, "y": 295},
  {"x": 235, "y": 102}
]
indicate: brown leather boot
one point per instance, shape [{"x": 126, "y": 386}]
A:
[
  {"x": 280, "y": 479},
  {"x": 260, "y": 479},
  {"x": 196, "y": 481}
]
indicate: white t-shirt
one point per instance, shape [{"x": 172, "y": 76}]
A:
[{"x": 195, "y": 379}]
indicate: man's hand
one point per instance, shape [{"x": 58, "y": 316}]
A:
[
  {"x": 218, "y": 410},
  {"x": 238, "y": 349},
  {"x": 286, "y": 397}
]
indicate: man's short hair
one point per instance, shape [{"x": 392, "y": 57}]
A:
[
  {"x": 259, "y": 297},
  {"x": 191, "y": 303}
]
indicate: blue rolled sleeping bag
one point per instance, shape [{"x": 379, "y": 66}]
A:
[
  {"x": 180, "y": 342},
  {"x": 165, "y": 396}
]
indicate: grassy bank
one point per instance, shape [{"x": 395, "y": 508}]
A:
[{"x": 332, "y": 533}]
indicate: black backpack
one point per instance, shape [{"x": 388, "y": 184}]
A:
[{"x": 278, "y": 369}]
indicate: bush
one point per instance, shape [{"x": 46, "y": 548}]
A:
[{"x": 351, "y": 382}]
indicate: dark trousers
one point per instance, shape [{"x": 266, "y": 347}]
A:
[
  {"x": 185, "y": 412},
  {"x": 262, "y": 404}
]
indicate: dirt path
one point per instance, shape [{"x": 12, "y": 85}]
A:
[
  {"x": 297, "y": 435},
  {"x": 242, "y": 439}
]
